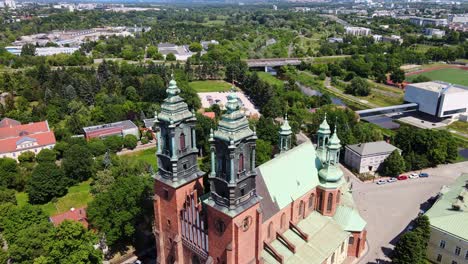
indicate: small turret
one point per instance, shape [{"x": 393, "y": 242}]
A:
[
  {"x": 331, "y": 172},
  {"x": 285, "y": 134}
]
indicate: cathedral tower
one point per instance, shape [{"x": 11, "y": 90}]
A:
[
  {"x": 285, "y": 134},
  {"x": 234, "y": 205},
  {"x": 178, "y": 180},
  {"x": 323, "y": 135}
]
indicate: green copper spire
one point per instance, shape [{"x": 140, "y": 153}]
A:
[
  {"x": 285, "y": 135},
  {"x": 285, "y": 128},
  {"x": 324, "y": 127},
  {"x": 172, "y": 90},
  {"x": 335, "y": 142},
  {"x": 331, "y": 172},
  {"x": 232, "y": 103}
]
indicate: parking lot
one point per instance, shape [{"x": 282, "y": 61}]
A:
[{"x": 389, "y": 208}]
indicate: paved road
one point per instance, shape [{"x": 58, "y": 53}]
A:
[{"x": 389, "y": 208}]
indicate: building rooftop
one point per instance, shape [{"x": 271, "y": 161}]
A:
[
  {"x": 126, "y": 124},
  {"x": 450, "y": 212},
  {"x": 370, "y": 148},
  {"x": 78, "y": 215},
  {"x": 441, "y": 87}
]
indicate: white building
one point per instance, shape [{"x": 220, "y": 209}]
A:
[
  {"x": 422, "y": 21},
  {"x": 367, "y": 157},
  {"x": 357, "y": 31},
  {"x": 45, "y": 51},
  {"x": 182, "y": 53},
  {"x": 434, "y": 33},
  {"x": 439, "y": 99}
]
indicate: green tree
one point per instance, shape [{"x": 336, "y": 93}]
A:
[
  {"x": 421, "y": 78},
  {"x": 78, "y": 163},
  {"x": 393, "y": 165},
  {"x": 130, "y": 141},
  {"x": 359, "y": 86},
  {"x": 114, "y": 143},
  {"x": 27, "y": 156},
  {"x": 71, "y": 243},
  {"x": 7, "y": 196},
  {"x": 408, "y": 250},
  {"x": 47, "y": 181},
  {"x": 423, "y": 229},
  {"x": 102, "y": 182},
  {"x": 195, "y": 47},
  {"x": 46, "y": 156},
  {"x": 264, "y": 151},
  {"x": 117, "y": 212},
  {"x": 171, "y": 57},
  {"x": 97, "y": 147},
  {"x": 9, "y": 173},
  {"x": 151, "y": 52},
  {"x": 397, "y": 76},
  {"x": 28, "y": 50}
]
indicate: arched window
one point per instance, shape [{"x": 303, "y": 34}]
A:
[
  {"x": 270, "y": 230},
  {"x": 320, "y": 201},
  {"x": 329, "y": 202},
  {"x": 182, "y": 141},
  {"x": 283, "y": 220},
  {"x": 312, "y": 201},
  {"x": 241, "y": 162},
  {"x": 301, "y": 210}
]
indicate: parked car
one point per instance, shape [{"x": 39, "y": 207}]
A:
[
  {"x": 393, "y": 179},
  {"x": 414, "y": 176},
  {"x": 402, "y": 177},
  {"x": 379, "y": 182},
  {"x": 423, "y": 175}
]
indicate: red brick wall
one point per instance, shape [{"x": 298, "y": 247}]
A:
[
  {"x": 234, "y": 245},
  {"x": 358, "y": 245},
  {"x": 167, "y": 224},
  {"x": 326, "y": 193}
]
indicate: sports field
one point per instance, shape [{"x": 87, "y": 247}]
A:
[
  {"x": 210, "y": 86},
  {"x": 450, "y": 75}
]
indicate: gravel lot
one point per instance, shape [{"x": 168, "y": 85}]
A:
[{"x": 389, "y": 208}]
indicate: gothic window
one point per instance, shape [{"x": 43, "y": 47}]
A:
[
  {"x": 220, "y": 226},
  {"x": 182, "y": 141},
  {"x": 241, "y": 162},
  {"x": 301, "y": 209},
  {"x": 283, "y": 220},
  {"x": 311, "y": 201},
  {"x": 270, "y": 230},
  {"x": 320, "y": 205},
  {"x": 351, "y": 240},
  {"x": 329, "y": 202}
]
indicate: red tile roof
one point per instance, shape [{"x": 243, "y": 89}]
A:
[
  {"x": 211, "y": 115},
  {"x": 12, "y": 134},
  {"x": 75, "y": 214}
]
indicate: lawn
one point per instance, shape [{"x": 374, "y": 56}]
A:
[
  {"x": 147, "y": 155},
  {"x": 210, "y": 86},
  {"x": 270, "y": 79},
  {"x": 77, "y": 196},
  {"x": 459, "y": 126},
  {"x": 456, "y": 76}
]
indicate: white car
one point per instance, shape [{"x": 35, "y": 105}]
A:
[
  {"x": 392, "y": 180},
  {"x": 380, "y": 182},
  {"x": 414, "y": 176}
]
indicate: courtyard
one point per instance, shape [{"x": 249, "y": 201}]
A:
[{"x": 390, "y": 208}]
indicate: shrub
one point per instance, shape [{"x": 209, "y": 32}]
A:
[
  {"x": 27, "y": 156},
  {"x": 130, "y": 141}
]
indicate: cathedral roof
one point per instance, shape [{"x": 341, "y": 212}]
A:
[{"x": 278, "y": 186}]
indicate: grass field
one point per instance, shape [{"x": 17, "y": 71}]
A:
[
  {"x": 210, "y": 86},
  {"x": 456, "y": 76},
  {"x": 77, "y": 196},
  {"x": 459, "y": 126},
  {"x": 270, "y": 79},
  {"x": 147, "y": 155}
]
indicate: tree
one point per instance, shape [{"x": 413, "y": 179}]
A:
[
  {"x": 102, "y": 182},
  {"x": 151, "y": 52},
  {"x": 27, "y": 156},
  {"x": 171, "y": 57},
  {"x": 393, "y": 165},
  {"x": 195, "y": 47},
  {"x": 130, "y": 141},
  {"x": 7, "y": 196},
  {"x": 47, "y": 181},
  {"x": 28, "y": 50},
  {"x": 264, "y": 151},
  {"x": 397, "y": 76},
  {"x": 9, "y": 173},
  {"x": 116, "y": 213},
  {"x": 359, "y": 86},
  {"x": 78, "y": 163},
  {"x": 71, "y": 243},
  {"x": 423, "y": 229},
  {"x": 421, "y": 78},
  {"x": 46, "y": 156},
  {"x": 408, "y": 250},
  {"x": 114, "y": 143},
  {"x": 97, "y": 147}
]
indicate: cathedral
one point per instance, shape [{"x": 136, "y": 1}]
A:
[{"x": 295, "y": 208}]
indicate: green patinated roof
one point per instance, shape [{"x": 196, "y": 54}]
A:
[
  {"x": 285, "y": 128},
  {"x": 326, "y": 236},
  {"x": 174, "y": 109},
  {"x": 285, "y": 185},
  {"x": 349, "y": 219},
  {"x": 335, "y": 142},
  {"x": 442, "y": 216},
  {"x": 324, "y": 127},
  {"x": 331, "y": 173}
]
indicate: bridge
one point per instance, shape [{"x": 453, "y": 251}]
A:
[
  {"x": 276, "y": 62},
  {"x": 388, "y": 110}
]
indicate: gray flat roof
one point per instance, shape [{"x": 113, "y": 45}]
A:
[
  {"x": 370, "y": 148},
  {"x": 126, "y": 124},
  {"x": 441, "y": 87}
]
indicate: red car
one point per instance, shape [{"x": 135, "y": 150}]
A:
[{"x": 402, "y": 177}]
